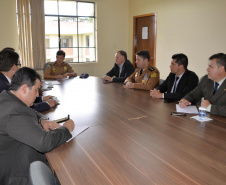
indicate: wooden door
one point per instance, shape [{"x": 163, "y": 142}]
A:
[{"x": 144, "y": 35}]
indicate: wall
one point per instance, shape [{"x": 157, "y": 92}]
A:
[
  {"x": 8, "y": 31},
  {"x": 112, "y": 26},
  {"x": 194, "y": 27}
]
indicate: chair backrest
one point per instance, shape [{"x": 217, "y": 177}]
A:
[
  {"x": 45, "y": 66},
  {"x": 40, "y": 173},
  {"x": 161, "y": 81}
]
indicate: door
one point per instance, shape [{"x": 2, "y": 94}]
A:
[{"x": 144, "y": 35}]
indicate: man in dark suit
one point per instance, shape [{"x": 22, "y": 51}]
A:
[
  {"x": 121, "y": 70},
  {"x": 24, "y": 133},
  {"x": 9, "y": 62},
  {"x": 212, "y": 88},
  {"x": 179, "y": 82}
]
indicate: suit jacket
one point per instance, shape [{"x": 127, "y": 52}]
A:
[
  {"x": 205, "y": 89},
  {"x": 23, "y": 140},
  {"x": 127, "y": 70},
  {"x": 187, "y": 83},
  {"x": 4, "y": 83},
  {"x": 38, "y": 105}
]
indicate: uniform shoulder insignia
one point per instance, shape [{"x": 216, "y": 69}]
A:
[
  {"x": 50, "y": 65},
  {"x": 151, "y": 68},
  {"x": 67, "y": 64}
]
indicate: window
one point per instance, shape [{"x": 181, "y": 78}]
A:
[{"x": 70, "y": 26}]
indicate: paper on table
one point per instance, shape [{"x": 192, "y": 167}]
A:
[
  {"x": 201, "y": 120},
  {"x": 77, "y": 130},
  {"x": 189, "y": 109},
  {"x": 53, "y": 82}
]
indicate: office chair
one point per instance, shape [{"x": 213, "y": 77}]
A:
[
  {"x": 161, "y": 81},
  {"x": 40, "y": 173},
  {"x": 45, "y": 66}
]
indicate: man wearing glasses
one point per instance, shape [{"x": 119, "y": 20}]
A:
[{"x": 9, "y": 64}]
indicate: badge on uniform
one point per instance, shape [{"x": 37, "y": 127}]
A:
[
  {"x": 145, "y": 79},
  {"x": 153, "y": 75},
  {"x": 65, "y": 68},
  {"x": 136, "y": 74},
  {"x": 54, "y": 70}
]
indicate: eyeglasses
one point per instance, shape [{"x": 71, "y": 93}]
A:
[{"x": 18, "y": 64}]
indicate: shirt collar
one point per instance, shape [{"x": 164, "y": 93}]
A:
[
  {"x": 121, "y": 65},
  {"x": 179, "y": 76},
  {"x": 9, "y": 80},
  {"x": 220, "y": 82}
]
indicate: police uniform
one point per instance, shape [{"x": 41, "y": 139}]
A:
[
  {"x": 148, "y": 80},
  {"x": 54, "y": 69}
]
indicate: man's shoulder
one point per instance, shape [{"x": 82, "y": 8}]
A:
[
  {"x": 205, "y": 79},
  {"x": 127, "y": 62},
  {"x": 66, "y": 64},
  {"x": 190, "y": 73},
  {"x": 152, "y": 69},
  {"x": 50, "y": 64}
]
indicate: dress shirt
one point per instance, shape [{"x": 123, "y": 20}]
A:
[
  {"x": 175, "y": 84},
  {"x": 9, "y": 80},
  {"x": 120, "y": 68}
]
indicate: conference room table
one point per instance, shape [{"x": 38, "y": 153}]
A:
[{"x": 133, "y": 139}]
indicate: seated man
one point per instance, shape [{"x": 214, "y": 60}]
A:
[
  {"x": 9, "y": 62},
  {"x": 212, "y": 88},
  {"x": 179, "y": 82},
  {"x": 59, "y": 69},
  {"x": 24, "y": 135},
  {"x": 121, "y": 70},
  {"x": 145, "y": 76}
]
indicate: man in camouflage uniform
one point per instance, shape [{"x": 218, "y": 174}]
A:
[
  {"x": 59, "y": 69},
  {"x": 146, "y": 76}
]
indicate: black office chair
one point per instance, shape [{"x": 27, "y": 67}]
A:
[
  {"x": 161, "y": 81},
  {"x": 40, "y": 173}
]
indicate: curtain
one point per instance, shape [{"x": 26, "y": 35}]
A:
[{"x": 31, "y": 22}]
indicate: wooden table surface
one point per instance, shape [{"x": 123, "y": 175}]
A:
[{"x": 133, "y": 139}]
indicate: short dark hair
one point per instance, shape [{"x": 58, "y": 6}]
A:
[
  {"x": 9, "y": 48},
  {"x": 61, "y": 52},
  {"x": 123, "y": 53},
  {"x": 144, "y": 54},
  {"x": 8, "y": 58},
  {"x": 24, "y": 75},
  {"x": 181, "y": 59},
  {"x": 221, "y": 59}
]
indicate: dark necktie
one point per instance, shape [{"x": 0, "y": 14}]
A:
[
  {"x": 141, "y": 71},
  {"x": 175, "y": 84},
  {"x": 215, "y": 88}
]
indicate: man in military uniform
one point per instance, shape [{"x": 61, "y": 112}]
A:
[
  {"x": 59, "y": 69},
  {"x": 146, "y": 76}
]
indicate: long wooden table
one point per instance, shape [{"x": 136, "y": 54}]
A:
[{"x": 133, "y": 139}]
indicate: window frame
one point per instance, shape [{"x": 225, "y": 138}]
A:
[{"x": 76, "y": 17}]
